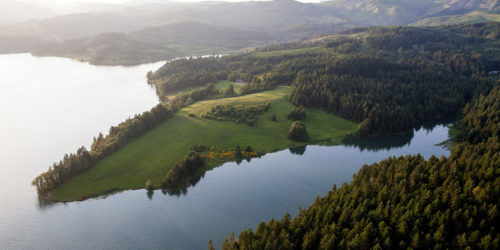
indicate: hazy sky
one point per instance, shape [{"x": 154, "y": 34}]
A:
[{"x": 122, "y": 1}]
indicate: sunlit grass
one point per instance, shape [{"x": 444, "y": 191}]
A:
[{"x": 152, "y": 155}]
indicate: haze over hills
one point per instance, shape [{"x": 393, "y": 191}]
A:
[
  {"x": 14, "y": 11},
  {"x": 277, "y": 21},
  {"x": 155, "y": 44}
]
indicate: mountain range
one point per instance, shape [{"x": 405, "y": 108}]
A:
[{"x": 165, "y": 27}]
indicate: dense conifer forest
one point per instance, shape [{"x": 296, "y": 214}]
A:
[
  {"x": 388, "y": 79},
  {"x": 405, "y": 202}
]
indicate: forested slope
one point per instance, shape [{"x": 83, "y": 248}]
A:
[
  {"x": 388, "y": 79},
  {"x": 404, "y": 202}
]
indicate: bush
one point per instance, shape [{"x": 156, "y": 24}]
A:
[
  {"x": 239, "y": 114},
  {"x": 297, "y": 131},
  {"x": 149, "y": 186},
  {"x": 248, "y": 149},
  {"x": 298, "y": 113}
]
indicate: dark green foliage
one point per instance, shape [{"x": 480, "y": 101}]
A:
[
  {"x": 118, "y": 137},
  {"x": 403, "y": 202},
  {"x": 229, "y": 91},
  {"x": 298, "y": 113},
  {"x": 181, "y": 101},
  {"x": 248, "y": 149},
  {"x": 183, "y": 73},
  {"x": 388, "y": 79},
  {"x": 297, "y": 131},
  {"x": 481, "y": 120},
  {"x": 183, "y": 169},
  {"x": 241, "y": 114},
  {"x": 237, "y": 152}
]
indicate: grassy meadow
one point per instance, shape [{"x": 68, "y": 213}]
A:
[{"x": 152, "y": 155}]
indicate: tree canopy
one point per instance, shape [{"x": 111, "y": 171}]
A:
[{"x": 404, "y": 202}]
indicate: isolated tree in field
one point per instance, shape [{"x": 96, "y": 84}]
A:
[
  {"x": 229, "y": 91},
  {"x": 273, "y": 118},
  {"x": 297, "y": 131}
]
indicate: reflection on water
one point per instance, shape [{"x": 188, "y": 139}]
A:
[
  {"x": 62, "y": 104},
  {"x": 298, "y": 150},
  {"x": 229, "y": 198},
  {"x": 378, "y": 143}
]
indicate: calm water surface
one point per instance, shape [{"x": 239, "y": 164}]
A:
[{"x": 51, "y": 106}]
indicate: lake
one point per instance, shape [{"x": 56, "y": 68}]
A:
[{"x": 51, "y": 106}]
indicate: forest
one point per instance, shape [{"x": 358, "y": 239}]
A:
[
  {"x": 388, "y": 79},
  {"x": 364, "y": 75},
  {"x": 405, "y": 202}
]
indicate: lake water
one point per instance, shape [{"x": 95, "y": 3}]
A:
[{"x": 51, "y": 106}]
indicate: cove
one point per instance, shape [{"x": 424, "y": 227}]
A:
[{"x": 61, "y": 104}]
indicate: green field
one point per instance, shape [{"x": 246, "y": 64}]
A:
[{"x": 152, "y": 155}]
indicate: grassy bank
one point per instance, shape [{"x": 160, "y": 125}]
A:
[{"x": 152, "y": 155}]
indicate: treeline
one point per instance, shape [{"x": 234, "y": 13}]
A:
[
  {"x": 181, "y": 101},
  {"x": 402, "y": 203},
  {"x": 389, "y": 79},
  {"x": 184, "y": 73},
  {"x": 118, "y": 137},
  {"x": 240, "y": 114},
  {"x": 393, "y": 100},
  {"x": 102, "y": 146}
]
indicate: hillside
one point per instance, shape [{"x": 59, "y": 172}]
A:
[
  {"x": 402, "y": 12},
  {"x": 155, "y": 44},
  {"x": 153, "y": 155},
  {"x": 371, "y": 76},
  {"x": 466, "y": 18},
  {"x": 278, "y": 21},
  {"x": 12, "y": 11}
]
